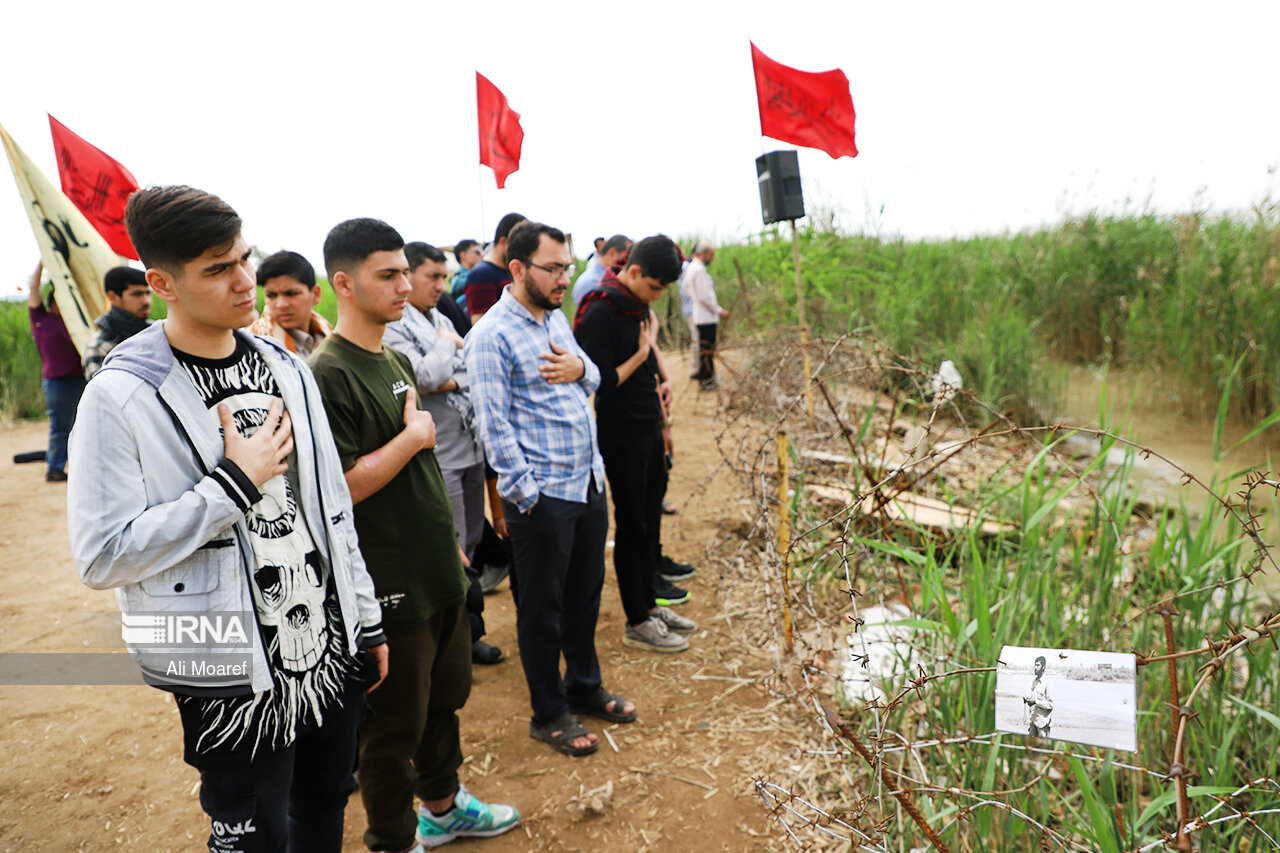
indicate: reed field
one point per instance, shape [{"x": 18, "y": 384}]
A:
[
  {"x": 1080, "y": 563},
  {"x": 1178, "y": 299}
]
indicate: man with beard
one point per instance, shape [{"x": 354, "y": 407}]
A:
[
  {"x": 130, "y": 300},
  {"x": 214, "y": 487},
  {"x": 410, "y": 744},
  {"x": 1039, "y": 704},
  {"x": 530, "y": 386},
  {"x": 616, "y": 329}
]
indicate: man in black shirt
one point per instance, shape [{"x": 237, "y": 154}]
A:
[{"x": 616, "y": 329}]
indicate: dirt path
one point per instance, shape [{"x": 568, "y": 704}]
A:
[{"x": 91, "y": 768}]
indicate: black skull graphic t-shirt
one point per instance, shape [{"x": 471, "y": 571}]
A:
[{"x": 293, "y": 591}]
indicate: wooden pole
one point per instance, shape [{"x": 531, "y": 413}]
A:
[
  {"x": 784, "y": 536},
  {"x": 804, "y": 323}
]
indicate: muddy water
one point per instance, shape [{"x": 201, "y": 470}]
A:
[{"x": 1145, "y": 412}]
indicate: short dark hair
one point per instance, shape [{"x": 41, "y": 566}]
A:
[
  {"x": 287, "y": 263},
  {"x": 119, "y": 279},
  {"x": 172, "y": 225},
  {"x": 525, "y": 237},
  {"x": 618, "y": 242},
  {"x": 418, "y": 252},
  {"x": 657, "y": 257},
  {"x": 350, "y": 242},
  {"x": 462, "y": 247},
  {"x": 506, "y": 223}
]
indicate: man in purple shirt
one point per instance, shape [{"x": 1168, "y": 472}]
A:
[{"x": 60, "y": 374}]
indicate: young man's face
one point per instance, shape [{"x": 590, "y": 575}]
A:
[
  {"x": 471, "y": 256},
  {"x": 289, "y": 301},
  {"x": 380, "y": 286},
  {"x": 1039, "y": 667},
  {"x": 428, "y": 282},
  {"x": 136, "y": 299},
  {"x": 216, "y": 290},
  {"x": 546, "y": 289},
  {"x": 646, "y": 288}
]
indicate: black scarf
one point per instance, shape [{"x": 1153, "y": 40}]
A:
[
  {"x": 118, "y": 324},
  {"x": 617, "y": 295}
]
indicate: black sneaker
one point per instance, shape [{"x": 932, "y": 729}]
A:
[
  {"x": 665, "y": 593},
  {"x": 56, "y": 477},
  {"x": 670, "y": 570},
  {"x": 483, "y": 653}
]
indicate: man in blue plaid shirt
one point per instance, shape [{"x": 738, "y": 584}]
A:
[{"x": 530, "y": 383}]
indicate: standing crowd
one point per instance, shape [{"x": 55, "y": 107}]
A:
[{"x": 355, "y": 489}]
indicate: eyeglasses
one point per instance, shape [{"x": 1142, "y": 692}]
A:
[{"x": 557, "y": 270}]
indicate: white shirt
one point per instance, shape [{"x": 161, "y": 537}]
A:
[{"x": 702, "y": 289}]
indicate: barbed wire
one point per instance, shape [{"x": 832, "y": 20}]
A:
[{"x": 847, "y": 532}]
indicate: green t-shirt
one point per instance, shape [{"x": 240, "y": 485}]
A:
[{"x": 406, "y": 528}]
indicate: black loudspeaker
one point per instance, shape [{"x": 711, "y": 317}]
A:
[{"x": 781, "y": 199}]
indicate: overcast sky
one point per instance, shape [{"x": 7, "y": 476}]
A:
[{"x": 639, "y": 118}]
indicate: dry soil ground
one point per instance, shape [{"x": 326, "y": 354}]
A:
[{"x": 88, "y": 768}]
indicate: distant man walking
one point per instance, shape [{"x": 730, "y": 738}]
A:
[
  {"x": 61, "y": 376},
  {"x": 1038, "y": 702},
  {"x": 707, "y": 312}
]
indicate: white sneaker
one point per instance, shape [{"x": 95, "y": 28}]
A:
[
  {"x": 652, "y": 636},
  {"x": 674, "y": 621}
]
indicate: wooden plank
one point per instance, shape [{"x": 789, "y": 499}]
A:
[{"x": 911, "y": 508}]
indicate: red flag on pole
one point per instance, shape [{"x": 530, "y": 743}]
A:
[
  {"x": 97, "y": 184},
  {"x": 500, "y": 131},
  {"x": 805, "y": 108}
]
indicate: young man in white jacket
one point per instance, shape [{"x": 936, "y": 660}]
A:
[{"x": 216, "y": 490}]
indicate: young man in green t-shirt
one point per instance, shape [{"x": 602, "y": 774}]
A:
[{"x": 410, "y": 745}]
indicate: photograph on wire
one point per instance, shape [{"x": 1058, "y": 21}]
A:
[{"x": 1068, "y": 694}]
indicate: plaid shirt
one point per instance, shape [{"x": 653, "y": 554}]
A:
[{"x": 539, "y": 437}]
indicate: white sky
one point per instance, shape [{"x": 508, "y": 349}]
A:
[{"x": 972, "y": 117}]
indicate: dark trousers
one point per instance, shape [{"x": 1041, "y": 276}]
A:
[
  {"x": 559, "y": 566},
  {"x": 706, "y": 351},
  {"x": 291, "y": 800},
  {"x": 410, "y": 744},
  {"x": 637, "y": 472},
  {"x": 61, "y": 399}
]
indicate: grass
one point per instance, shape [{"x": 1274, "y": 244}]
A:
[
  {"x": 1066, "y": 581},
  {"x": 1180, "y": 298}
]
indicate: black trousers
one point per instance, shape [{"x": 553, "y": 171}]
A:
[
  {"x": 410, "y": 744},
  {"x": 706, "y": 351},
  {"x": 290, "y": 800},
  {"x": 559, "y": 565},
  {"x": 635, "y": 465}
]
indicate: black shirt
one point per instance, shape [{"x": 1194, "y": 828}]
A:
[{"x": 610, "y": 337}]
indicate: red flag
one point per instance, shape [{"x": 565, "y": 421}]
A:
[
  {"x": 803, "y": 107},
  {"x": 97, "y": 184},
  {"x": 500, "y": 131}
]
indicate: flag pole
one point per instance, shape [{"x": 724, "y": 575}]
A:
[
  {"x": 480, "y": 195},
  {"x": 804, "y": 323}
]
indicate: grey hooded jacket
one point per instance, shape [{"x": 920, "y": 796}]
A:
[{"x": 156, "y": 512}]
